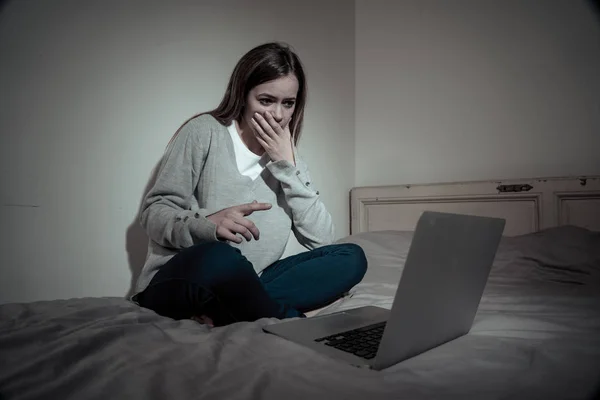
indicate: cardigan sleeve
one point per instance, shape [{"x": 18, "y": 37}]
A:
[
  {"x": 312, "y": 223},
  {"x": 166, "y": 213}
]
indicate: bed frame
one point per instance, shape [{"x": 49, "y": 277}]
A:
[{"x": 528, "y": 205}]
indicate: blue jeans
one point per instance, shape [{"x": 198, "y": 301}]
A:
[{"x": 216, "y": 280}]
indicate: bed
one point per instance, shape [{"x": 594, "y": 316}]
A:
[{"x": 536, "y": 334}]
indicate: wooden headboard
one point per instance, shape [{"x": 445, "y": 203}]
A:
[{"x": 528, "y": 205}]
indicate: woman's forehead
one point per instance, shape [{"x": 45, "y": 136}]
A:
[{"x": 284, "y": 87}]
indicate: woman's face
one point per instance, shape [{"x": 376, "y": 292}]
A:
[{"x": 277, "y": 97}]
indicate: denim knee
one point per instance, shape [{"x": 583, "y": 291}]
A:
[
  {"x": 227, "y": 264},
  {"x": 355, "y": 262}
]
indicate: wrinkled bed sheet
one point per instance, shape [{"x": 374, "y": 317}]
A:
[{"x": 536, "y": 336}]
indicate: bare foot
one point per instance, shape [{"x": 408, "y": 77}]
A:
[{"x": 204, "y": 320}]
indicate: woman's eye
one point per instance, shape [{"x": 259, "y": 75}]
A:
[
  {"x": 265, "y": 102},
  {"x": 289, "y": 104}
]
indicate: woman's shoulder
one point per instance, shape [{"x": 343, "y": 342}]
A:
[
  {"x": 204, "y": 120},
  {"x": 201, "y": 128}
]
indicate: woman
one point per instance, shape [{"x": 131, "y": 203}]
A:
[{"x": 228, "y": 190}]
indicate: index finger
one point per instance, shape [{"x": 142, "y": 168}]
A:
[
  {"x": 249, "y": 208},
  {"x": 272, "y": 122}
]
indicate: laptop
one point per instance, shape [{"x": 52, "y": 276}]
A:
[{"x": 442, "y": 282}]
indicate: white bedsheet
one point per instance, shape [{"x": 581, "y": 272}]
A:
[{"x": 536, "y": 336}]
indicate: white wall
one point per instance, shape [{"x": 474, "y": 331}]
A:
[
  {"x": 476, "y": 89},
  {"x": 92, "y": 91}
]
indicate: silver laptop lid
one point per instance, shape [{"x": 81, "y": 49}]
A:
[{"x": 444, "y": 276}]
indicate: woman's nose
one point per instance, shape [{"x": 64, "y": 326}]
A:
[{"x": 277, "y": 114}]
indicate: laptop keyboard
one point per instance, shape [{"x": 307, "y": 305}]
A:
[{"x": 362, "y": 342}]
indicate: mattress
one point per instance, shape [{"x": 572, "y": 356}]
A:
[{"x": 536, "y": 335}]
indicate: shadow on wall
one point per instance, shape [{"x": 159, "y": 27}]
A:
[
  {"x": 136, "y": 240},
  {"x": 3, "y": 4},
  {"x": 595, "y": 5}
]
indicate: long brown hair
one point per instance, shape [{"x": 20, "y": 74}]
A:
[{"x": 262, "y": 64}]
